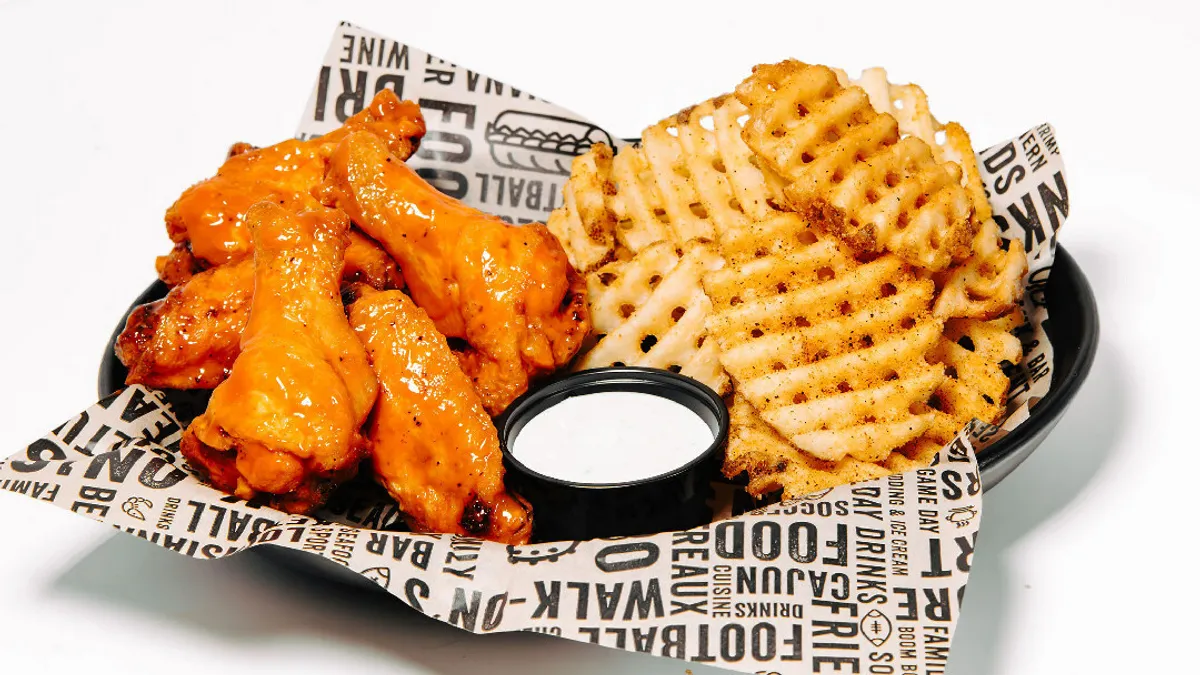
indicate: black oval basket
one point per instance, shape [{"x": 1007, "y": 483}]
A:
[{"x": 1074, "y": 331}]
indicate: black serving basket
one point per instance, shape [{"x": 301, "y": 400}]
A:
[{"x": 1074, "y": 330}]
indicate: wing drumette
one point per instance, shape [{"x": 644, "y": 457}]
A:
[
  {"x": 508, "y": 291},
  {"x": 432, "y": 444},
  {"x": 189, "y": 339},
  {"x": 208, "y": 221},
  {"x": 286, "y": 422}
]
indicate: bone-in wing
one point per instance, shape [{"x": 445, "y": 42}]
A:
[
  {"x": 508, "y": 291},
  {"x": 432, "y": 444},
  {"x": 285, "y": 424},
  {"x": 208, "y": 221},
  {"x": 189, "y": 339}
]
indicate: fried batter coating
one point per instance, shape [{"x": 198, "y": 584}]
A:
[
  {"x": 508, "y": 291},
  {"x": 189, "y": 339},
  {"x": 285, "y": 424},
  {"x": 209, "y": 218},
  {"x": 432, "y": 444}
]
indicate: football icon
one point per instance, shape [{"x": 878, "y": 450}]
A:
[
  {"x": 876, "y": 627},
  {"x": 962, "y": 516}
]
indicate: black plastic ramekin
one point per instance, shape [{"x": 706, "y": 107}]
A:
[{"x": 675, "y": 500}]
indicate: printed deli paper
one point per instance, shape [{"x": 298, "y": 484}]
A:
[
  {"x": 494, "y": 147},
  {"x": 856, "y": 575},
  {"x": 862, "y": 578}
]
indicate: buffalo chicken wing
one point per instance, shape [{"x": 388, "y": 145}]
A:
[
  {"x": 508, "y": 291},
  {"x": 208, "y": 221},
  {"x": 285, "y": 425},
  {"x": 189, "y": 339},
  {"x": 432, "y": 444}
]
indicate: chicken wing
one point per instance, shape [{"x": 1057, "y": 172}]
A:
[
  {"x": 208, "y": 221},
  {"x": 432, "y": 444},
  {"x": 368, "y": 263},
  {"x": 285, "y": 426},
  {"x": 508, "y": 291},
  {"x": 189, "y": 339}
]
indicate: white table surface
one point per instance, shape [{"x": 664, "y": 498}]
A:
[{"x": 109, "y": 109}]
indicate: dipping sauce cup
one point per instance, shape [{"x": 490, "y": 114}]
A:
[{"x": 615, "y": 452}]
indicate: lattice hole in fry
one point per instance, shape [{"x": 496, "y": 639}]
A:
[
  {"x": 817, "y": 361},
  {"x": 840, "y": 148},
  {"x": 659, "y": 324}
]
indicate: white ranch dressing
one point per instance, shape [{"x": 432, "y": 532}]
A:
[{"x": 611, "y": 437}]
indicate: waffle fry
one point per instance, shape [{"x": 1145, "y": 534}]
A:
[
  {"x": 584, "y": 224},
  {"x": 974, "y": 354},
  {"x": 850, "y": 172},
  {"x": 650, "y": 311},
  {"x": 689, "y": 180},
  {"x": 675, "y": 186},
  {"x": 772, "y": 463},
  {"x": 827, "y": 349},
  {"x": 988, "y": 283},
  {"x": 843, "y": 364}
]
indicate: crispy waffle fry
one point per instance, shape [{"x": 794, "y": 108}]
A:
[
  {"x": 612, "y": 208},
  {"x": 772, "y": 463},
  {"x": 988, "y": 283},
  {"x": 850, "y": 171},
  {"x": 839, "y": 361},
  {"x": 650, "y": 311},
  {"x": 675, "y": 186},
  {"x": 975, "y": 354},
  {"x": 637, "y": 205},
  {"x": 584, "y": 224},
  {"x": 691, "y": 179},
  {"x": 829, "y": 350}
]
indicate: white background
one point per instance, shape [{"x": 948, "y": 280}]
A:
[{"x": 109, "y": 109}]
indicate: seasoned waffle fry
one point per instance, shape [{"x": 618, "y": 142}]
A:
[
  {"x": 685, "y": 217},
  {"x": 584, "y": 224},
  {"x": 907, "y": 103},
  {"x": 974, "y": 354},
  {"x": 772, "y": 463},
  {"x": 650, "y": 311},
  {"x": 827, "y": 349},
  {"x": 839, "y": 355},
  {"x": 849, "y": 170},
  {"x": 691, "y": 179},
  {"x": 638, "y": 204},
  {"x": 988, "y": 283},
  {"x": 755, "y": 187}
]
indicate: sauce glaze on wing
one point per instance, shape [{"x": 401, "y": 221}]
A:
[
  {"x": 432, "y": 444},
  {"x": 189, "y": 339},
  {"x": 285, "y": 424},
  {"x": 209, "y": 218},
  {"x": 508, "y": 291}
]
